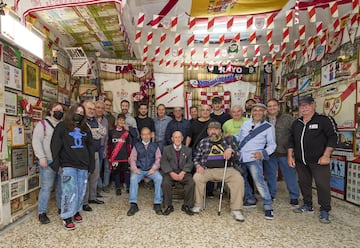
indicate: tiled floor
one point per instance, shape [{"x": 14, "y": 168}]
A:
[{"x": 108, "y": 226}]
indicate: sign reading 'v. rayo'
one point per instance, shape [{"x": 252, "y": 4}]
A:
[{"x": 233, "y": 69}]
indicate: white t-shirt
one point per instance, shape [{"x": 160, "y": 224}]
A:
[
  {"x": 240, "y": 91},
  {"x": 121, "y": 90}
]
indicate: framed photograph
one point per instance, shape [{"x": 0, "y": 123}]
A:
[
  {"x": 346, "y": 141},
  {"x": 17, "y": 188},
  {"x": 31, "y": 78},
  {"x": 37, "y": 113},
  {"x": 338, "y": 176},
  {"x": 12, "y": 77},
  {"x": 33, "y": 182},
  {"x": 291, "y": 84},
  {"x": 19, "y": 162},
  {"x": 328, "y": 73},
  {"x": 16, "y": 205},
  {"x": 10, "y": 103},
  {"x": 49, "y": 91},
  {"x": 17, "y": 135},
  {"x": 353, "y": 183}
]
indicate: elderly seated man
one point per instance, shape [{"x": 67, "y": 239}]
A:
[
  {"x": 176, "y": 163},
  {"x": 209, "y": 161}
]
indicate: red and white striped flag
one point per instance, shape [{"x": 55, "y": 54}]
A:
[
  {"x": 140, "y": 20},
  {"x": 137, "y": 36},
  {"x": 310, "y": 42},
  {"x": 271, "y": 48},
  {"x": 270, "y": 21},
  {"x": 220, "y": 64},
  {"x": 149, "y": 38},
  {"x": 273, "y": 58},
  {"x": 157, "y": 51},
  {"x": 336, "y": 25},
  {"x": 283, "y": 46},
  {"x": 206, "y": 40},
  {"x": 228, "y": 66},
  {"x": 146, "y": 49},
  {"x": 230, "y": 23},
  {"x": 312, "y": 14},
  {"x": 196, "y": 65},
  {"x": 302, "y": 32},
  {"x": 221, "y": 39},
  {"x": 217, "y": 52},
  {"x": 167, "y": 51},
  {"x": 269, "y": 34},
  {"x": 144, "y": 61},
  {"x": 245, "y": 51},
  {"x": 252, "y": 38},
  {"x": 180, "y": 52},
  {"x": 255, "y": 61},
  {"x": 283, "y": 55},
  {"x": 319, "y": 28},
  {"x": 152, "y": 60},
  {"x": 167, "y": 63},
  {"x": 211, "y": 23},
  {"x": 205, "y": 52},
  {"x": 246, "y": 62},
  {"x": 286, "y": 34},
  {"x": 323, "y": 39},
  {"x": 162, "y": 38},
  {"x": 191, "y": 40},
  {"x": 289, "y": 18},
  {"x": 297, "y": 45},
  {"x": 264, "y": 60},
  {"x": 257, "y": 50},
  {"x": 175, "y": 63},
  {"x": 173, "y": 24},
  {"x": 355, "y": 6},
  {"x": 161, "y": 61},
  {"x": 192, "y": 22},
  {"x": 249, "y": 22},
  {"x": 192, "y": 51},
  {"x": 155, "y": 21},
  {"x": 293, "y": 55},
  {"x": 236, "y": 37},
  {"x": 190, "y": 65},
  {"x": 182, "y": 64},
  {"x": 334, "y": 9},
  {"x": 177, "y": 39}
]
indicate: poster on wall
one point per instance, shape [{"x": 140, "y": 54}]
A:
[
  {"x": 353, "y": 183},
  {"x": 345, "y": 141},
  {"x": 5, "y": 193},
  {"x": 337, "y": 101},
  {"x": 169, "y": 89},
  {"x": 31, "y": 78},
  {"x": 328, "y": 73},
  {"x": 12, "y": 55},
  {"x": 49, "y": 91},
  {"x": 19, "y": 162},
  {"x": 337, "y": 178},
  {"x": 12, "y": 77},
  {"x": 291, "y": 85},
  {"x": 17, "y": 187},
  {"x": 10, "y": 103},
  {"x": 304, "y": 83}
]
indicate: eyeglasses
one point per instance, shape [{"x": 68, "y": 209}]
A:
[{"x": 177, "y": 110}]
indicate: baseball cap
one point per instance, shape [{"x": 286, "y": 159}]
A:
[
  {"x": 259, "y": 104},
  {"x": 214, "y": 124},
  {"x": 306, "y": 99}
]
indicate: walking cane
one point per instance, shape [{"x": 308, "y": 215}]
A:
[{"x": 222, "y": 187}]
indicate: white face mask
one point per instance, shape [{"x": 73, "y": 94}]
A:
[{"x": 146, "y": 142}]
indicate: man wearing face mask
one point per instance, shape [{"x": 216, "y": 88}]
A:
[
  {"x": 43, "y": 132},
  {"x": 209, "y": 161}
]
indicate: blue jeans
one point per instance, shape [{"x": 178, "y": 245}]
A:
[
  {"x": 104, "y": 163},
  {"x": 134, "y": 185},
  {"x": 48, "y": 178},
  {"x": 73, "y": 183},
  {"x": 289, "y": 174},
  {"x": 256, "y": 170}
]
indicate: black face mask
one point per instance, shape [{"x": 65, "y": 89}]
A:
[
  {"x": 78, "y": 117},
  {"x": 58, "y": 115}
]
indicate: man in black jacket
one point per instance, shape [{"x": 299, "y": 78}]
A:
[{"x": 312, "y": 139}]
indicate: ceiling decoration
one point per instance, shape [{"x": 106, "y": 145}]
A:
[{"x": 174, "y": 32}]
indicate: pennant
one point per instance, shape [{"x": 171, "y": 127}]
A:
[
  {"x": 140, "y": 20},
  {"x": 286, "y": 34},
  {"x": 161, "y": 61},
  {"x": 211, "y": 22},
  {"x": 162, "y": 38},
  {"x": 221, "y": 39},
  {"x": 152, "y": 60},
  {"x": 137, "y": 36},
  {"x": 175, "y": 63},
  {"x": 206, "y": 40},
  {"x": 319, "y": 27},
  {"x": 149, "y": 38},
  {"x": 336, "y": 25},
  {"x": 167, "y": 51},
  {"x": 297, "y": 45},
  {"x": 191, "y": 40},
  {"x": 302, "y": 32},
  {"x": 271, "y": 48},
  {"x": 180, "y": 52},
  {"x": 217, "y": 52},
  {"x": 312, "y": 14},
  {"x": 257, "y": 51},
  {"x": 289, "y": 18},
  {"x": 173, "y": 24},
  {"x": 255, "y": 62},
  {"x": 145, "y": 50},
  {"x": 283, "y": 47},
  {"x": 182, "y": 64},
  {"x": 270, "y": 21},
  {"x": 273, "y": 58},
  {"x": 167, "y": 63},
  {"x": 155, "y": 21},
  {"x": 47, "y": 31},
  {"x": 246, "y": 62},
  {"x": 190, "y": 66},
  {"x": 205, "y": 52},
  {"x": 249, "y": 22},
  {"x": 157, "y": 51},
  {"x": 192, "y": 22},
  {"x": 264, "y": 60},
  {"x": 177, "y": 39},
  {"x": 229, "y": 23},
  {"x": 236, "y": 37},
  {"x": 334, "y": 9},
  {"x": 192, "y": 52},
  {"x": 252, "y": 38},
  {"x": 244, "y": 51},
  {"x": 269, "y": 34},
  {"x": 355, "y": 6}
]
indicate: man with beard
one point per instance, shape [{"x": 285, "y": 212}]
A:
[
  {"x": 249, "y": 102},
  {"x": 209, "y": 162},
  {"x": 143, "y": 120}
]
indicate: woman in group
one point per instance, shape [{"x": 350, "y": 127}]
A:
[
  {"x": 73, "y": 157},
  {"x": 43, "y": 132}
]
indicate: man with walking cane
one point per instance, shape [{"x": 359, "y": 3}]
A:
[{"x": 214, "y": 161}]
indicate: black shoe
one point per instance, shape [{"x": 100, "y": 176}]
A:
[
  {"x": 187, "y": 210},
  {"x": 127, "y": 191},
  {"x": 43, "y": 218},
  {"x": 157, "y": 209},
  {"x": 98, "y": 195},
  {"x": 168, "y": 210},
  {"x": 86, "y": 207},
  {"x": 59, "y": 210},
  {"x": 118, "y": 191},
  {"x": 96, "y": 201},
  {"x": 133, "y": 209}
]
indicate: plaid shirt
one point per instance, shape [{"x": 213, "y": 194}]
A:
[{"x": 204, "y": 147}]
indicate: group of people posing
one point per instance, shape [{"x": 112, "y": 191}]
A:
[{"x": 73, "y": 149}]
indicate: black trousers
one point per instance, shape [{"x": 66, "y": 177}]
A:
[
  {"x": 321, "y": 175},
  {"x": 189, "y": 187}
]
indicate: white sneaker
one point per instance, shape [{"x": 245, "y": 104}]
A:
[
  {"x": 196, "y": 210},
  {"x": 237, "y": 215}
]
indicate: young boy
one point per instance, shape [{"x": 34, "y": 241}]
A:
[{"x": 119, "y": 151}]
